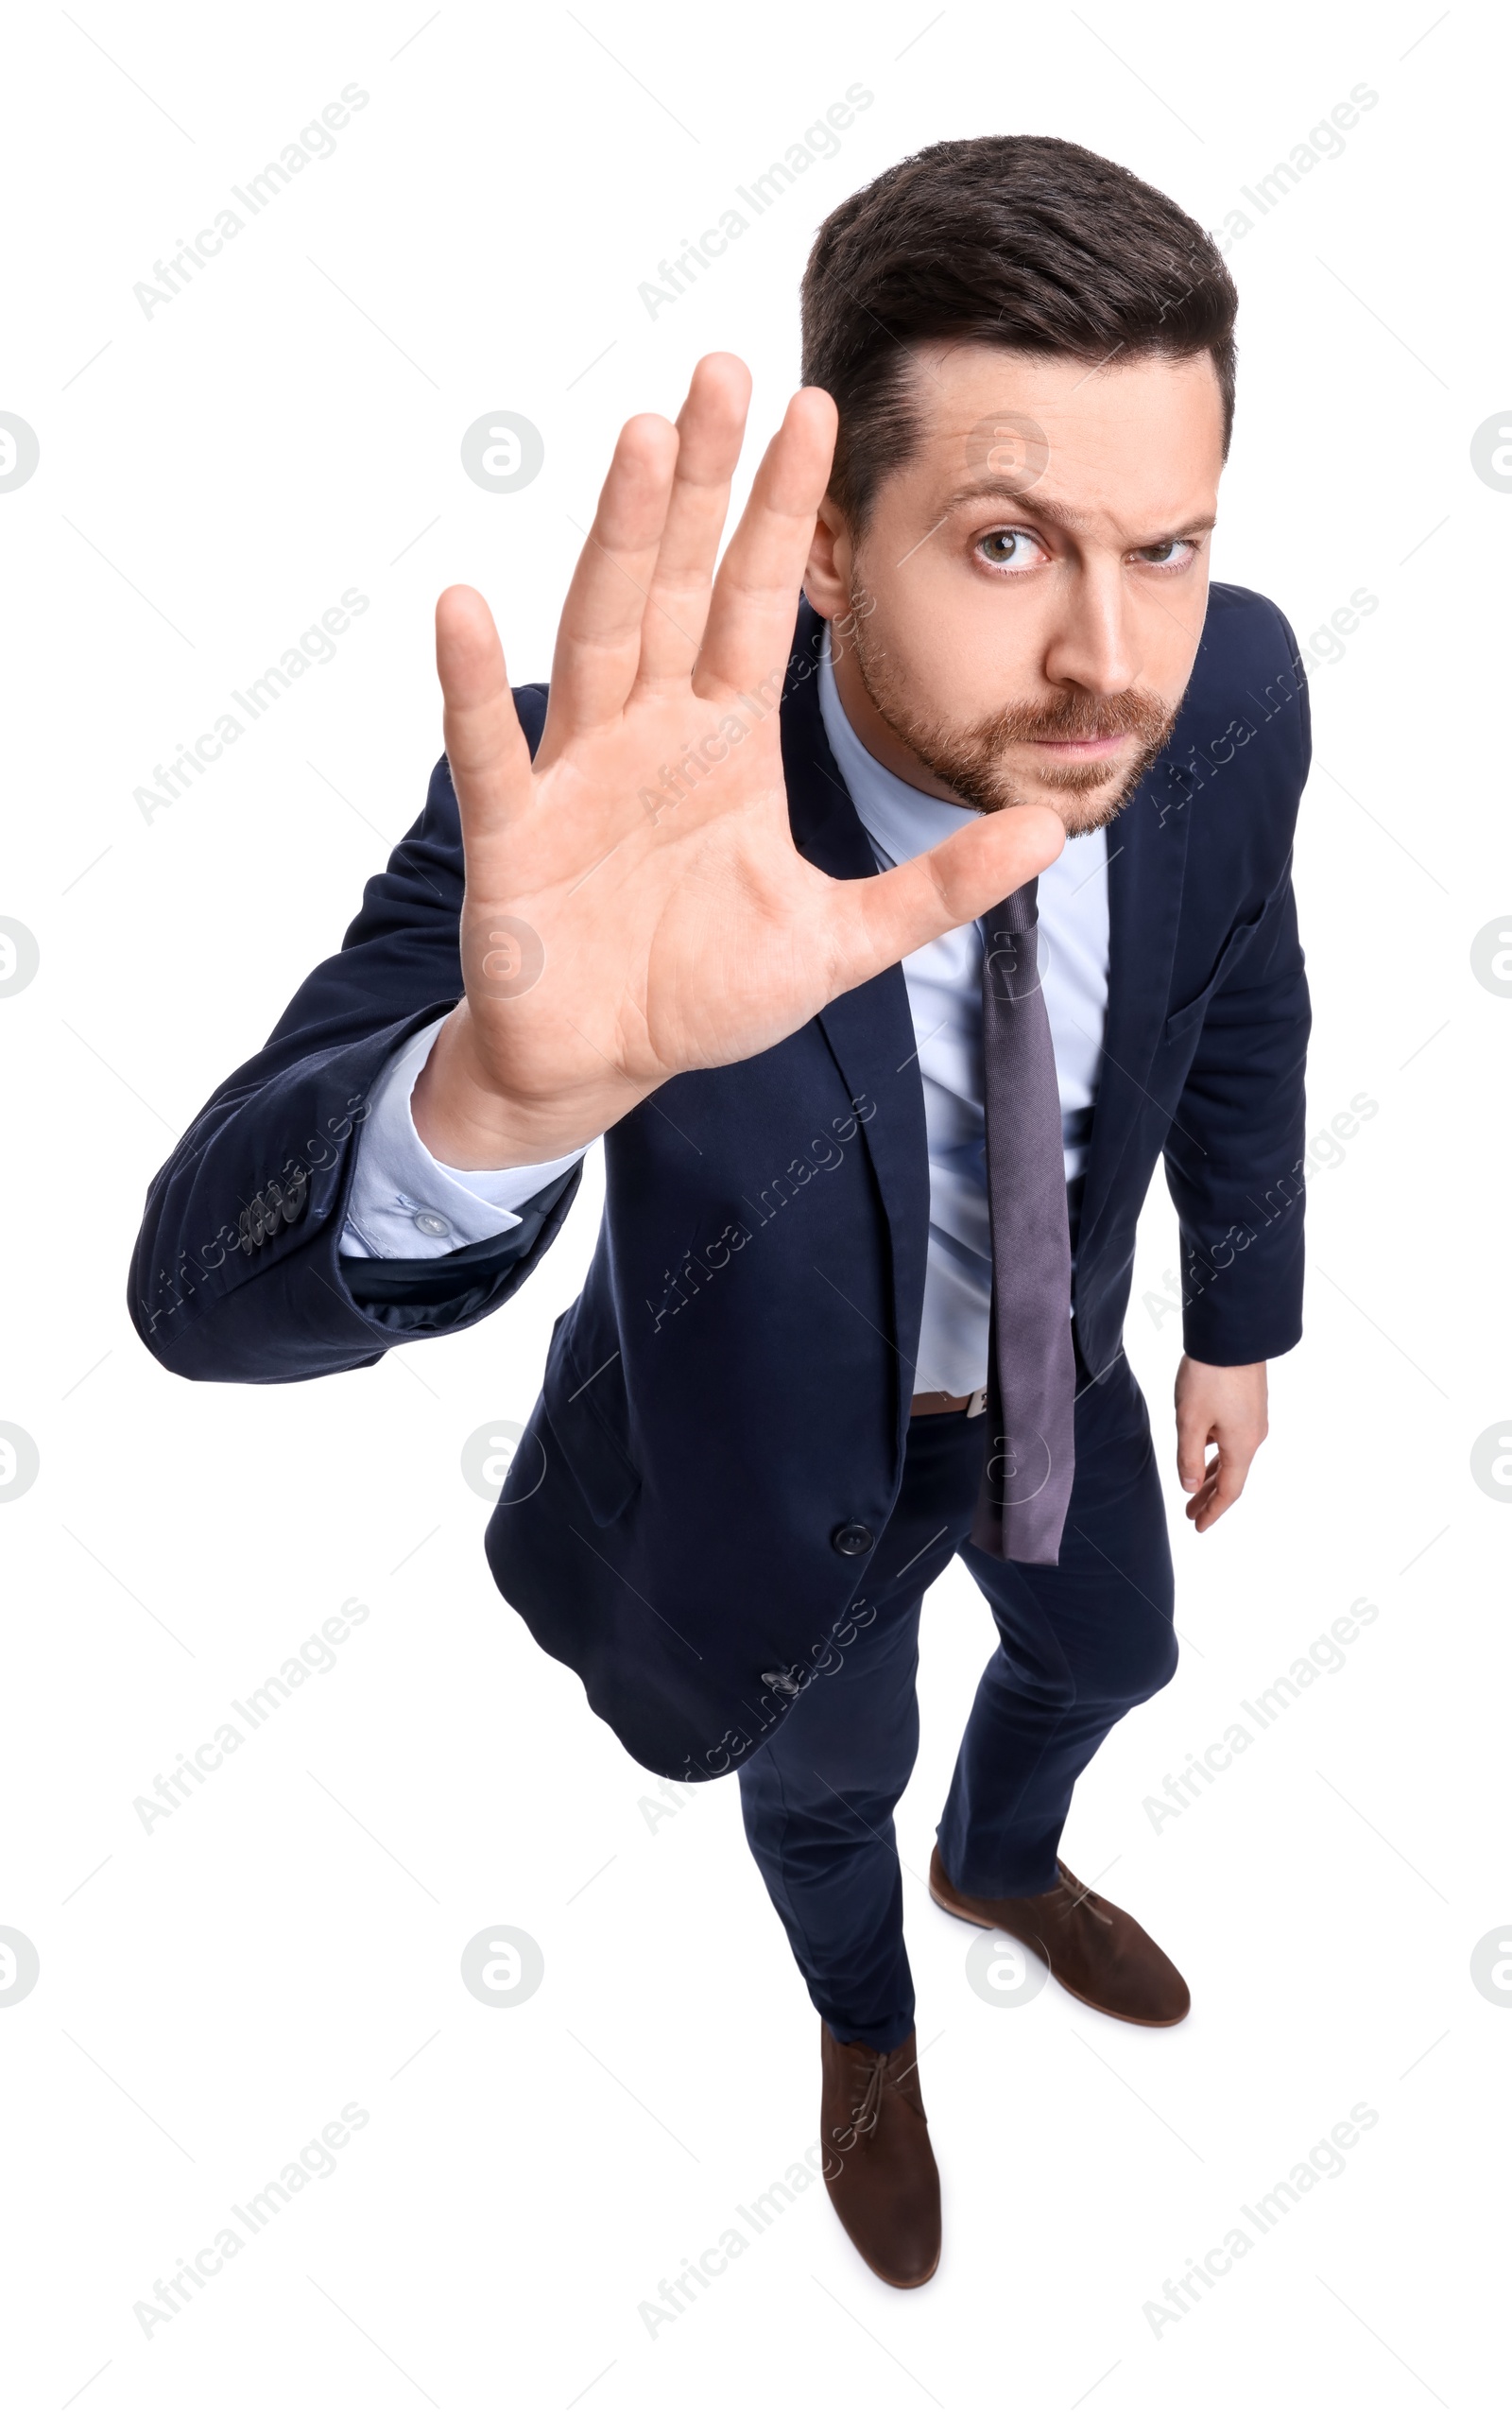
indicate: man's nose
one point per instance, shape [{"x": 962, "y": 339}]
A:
[{"x": 1094, "y": 644}]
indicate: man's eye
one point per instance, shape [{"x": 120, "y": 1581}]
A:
[
  {"x": 1171, "y": 553},
  {"x": 1008, "y": 549}
]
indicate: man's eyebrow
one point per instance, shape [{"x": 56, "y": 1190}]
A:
[
  {"x": 1035, "y": 508},
  {"x": 1013, "y": 492}
]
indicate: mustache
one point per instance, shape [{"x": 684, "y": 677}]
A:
[
  {"x": 1132, "y": 713},
  {"x": 971, "y": 759}
]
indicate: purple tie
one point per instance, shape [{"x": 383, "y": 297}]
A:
[{"x": 1032, "y": 1369}]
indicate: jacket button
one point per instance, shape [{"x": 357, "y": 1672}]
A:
[{"x": 852, "y": 1537}]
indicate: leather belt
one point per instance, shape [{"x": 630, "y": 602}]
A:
[{"x": 972, "y": 1405}]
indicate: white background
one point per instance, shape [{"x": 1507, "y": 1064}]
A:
[{"x": 212, "y": 1993}]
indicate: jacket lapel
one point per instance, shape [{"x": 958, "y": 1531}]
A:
[
  {"x": 870, "y": 1030},
  {"x": 1147, "y": 862}
]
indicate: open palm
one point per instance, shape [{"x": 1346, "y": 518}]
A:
[{"x": 634, "y": 903}]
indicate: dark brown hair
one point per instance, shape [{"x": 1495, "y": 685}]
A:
[{"x": 1017, "y": 240}]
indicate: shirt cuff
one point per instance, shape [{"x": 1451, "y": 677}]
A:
[{"x": 405, "y": 1205}]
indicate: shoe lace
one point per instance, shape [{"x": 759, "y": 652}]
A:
[
  {"x": 864, "y": 2115},
  {"x": 1083, "y": 1895}
]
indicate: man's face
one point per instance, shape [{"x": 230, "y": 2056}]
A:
[{"x": 1018, "y": 622}]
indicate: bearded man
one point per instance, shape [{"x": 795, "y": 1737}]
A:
[{"x": 890, "y": 900}]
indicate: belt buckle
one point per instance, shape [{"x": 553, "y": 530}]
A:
[{"x": 977, "y": 1404}]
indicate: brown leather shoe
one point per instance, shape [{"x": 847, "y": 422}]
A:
[
  {"x": 878, "y": 2162},
  {"x": 1093, "y": 1949}
]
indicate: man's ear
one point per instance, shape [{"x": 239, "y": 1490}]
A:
[{"x": 827, "y": 573}]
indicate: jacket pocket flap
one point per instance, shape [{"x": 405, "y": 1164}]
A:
[{"x": 1183, "y": 1019}]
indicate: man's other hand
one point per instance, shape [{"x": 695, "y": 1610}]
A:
[{"x": 1225, "y": 1409}]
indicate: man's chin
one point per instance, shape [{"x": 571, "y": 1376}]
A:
[
  {"x": 1088, "y": 811},
  {"x": 1082, "y": 805},
  {"x": 1088, "y": 797}
]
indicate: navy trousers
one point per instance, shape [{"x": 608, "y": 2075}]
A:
[{"x": 1078, "y": 1644}]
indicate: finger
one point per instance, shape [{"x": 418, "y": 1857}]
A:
[
  {"x": 1233, "y": 1469},
  {"x": 710, "y": 428},
  {"x": 486, "y": 748},
  {"x": 1213, "y": 1508},
  {"x": 749, "y": 634},
  {"x": 1224, "y": 1485},
  {"x": 598, "y": 639},
  {"x": 884, "y": 916}
]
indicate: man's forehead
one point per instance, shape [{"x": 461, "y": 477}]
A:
[
  {"x": 954, "y": 389},
  {"x": 995, "y": 424}
]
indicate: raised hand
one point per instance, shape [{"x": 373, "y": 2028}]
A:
[{"x": 626, "y": 919}]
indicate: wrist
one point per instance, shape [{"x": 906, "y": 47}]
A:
[{"x": 466, "y": 1122}]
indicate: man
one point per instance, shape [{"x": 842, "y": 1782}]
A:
[{"x": 875, "y": 1144}]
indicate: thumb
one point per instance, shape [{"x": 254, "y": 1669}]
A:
[
  {"x": 1191, "y": 1452},
  {"x": 894, "y": 913}
]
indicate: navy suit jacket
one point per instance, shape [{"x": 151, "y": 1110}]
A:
[{"x": 729, "y": 1396}]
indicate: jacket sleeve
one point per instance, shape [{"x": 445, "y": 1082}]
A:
[
  {"x": 1235, "y": 1154},
  {"x": 237, "y": 1273}
]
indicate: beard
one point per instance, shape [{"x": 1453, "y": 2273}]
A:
[{"x": 971, "y": 757}]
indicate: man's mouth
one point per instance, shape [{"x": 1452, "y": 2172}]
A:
[{"x": 1073, "y": 751}]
